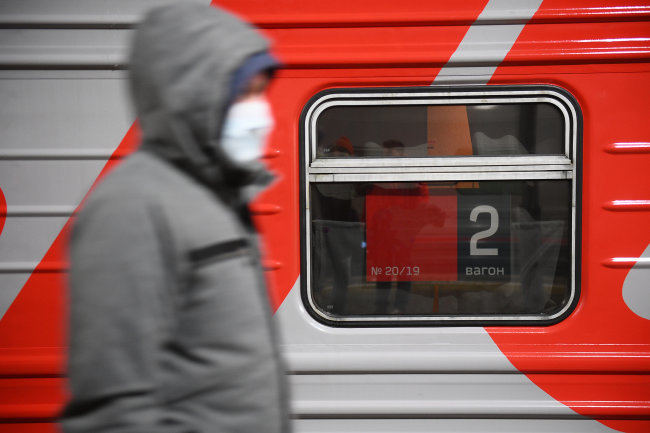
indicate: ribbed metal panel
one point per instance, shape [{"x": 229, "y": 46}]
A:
[
  {"x": 65, "y": 109},
  {"x": 83, "y": 35}
]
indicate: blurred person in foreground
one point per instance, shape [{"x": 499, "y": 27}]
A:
[{"x": 170, "y": 327}]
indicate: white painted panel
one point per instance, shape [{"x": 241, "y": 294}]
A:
[
  {"x": 57, "y": 102},
  {"x": 305, "y": 338},
  {"x": 41, "y": 114},
  {"x": 60, "y": 47},
  {"x": 446, "y": 425},
  {"x": 410, "y": 380},
  {"x": 486, "y": 44},
  {"x": 422, "y": 395},
  {"x": 39, "y": 185},
  {"x": 78, "y": 11},
  {"x": 60, "y": 113},
  {"x": 636, "y": 289},
  {"x": 310, "y": 346},
  {"x": 26, "y": 239}
]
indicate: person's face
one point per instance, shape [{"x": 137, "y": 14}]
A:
[{"x": 248, "y": 122}]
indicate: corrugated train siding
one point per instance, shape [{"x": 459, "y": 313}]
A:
[{"x": 64, "y": 110}]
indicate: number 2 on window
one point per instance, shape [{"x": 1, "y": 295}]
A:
[{"x": 474, "y": 250}]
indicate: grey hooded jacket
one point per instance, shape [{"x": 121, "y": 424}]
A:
[{"x": 170, "y": 328}]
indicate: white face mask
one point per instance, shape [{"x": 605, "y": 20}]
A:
[{"x": 246, "y": 129}]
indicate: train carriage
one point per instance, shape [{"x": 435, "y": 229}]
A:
[{"x": 459, "y": 237}]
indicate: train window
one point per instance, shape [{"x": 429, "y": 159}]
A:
[{"x": 448, "y": 206}]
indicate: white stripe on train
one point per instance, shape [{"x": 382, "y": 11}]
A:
[{"x": 487, "y": 42}]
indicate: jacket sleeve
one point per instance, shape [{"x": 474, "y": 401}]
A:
[{"x": 120, "y": 310}]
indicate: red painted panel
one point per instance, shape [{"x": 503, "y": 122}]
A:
[
  {"x": 362, "y": 34},
  {"x": 39, "y": 427},
  {"x": 592, "y": 10},
  {"x": 582, "y": 43},
  {"x": 358, "y": 13},
  {"x": 30, "y": 398},
  {"x": 602, "y": 334}
]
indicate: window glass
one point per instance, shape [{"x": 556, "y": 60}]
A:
[
  {"x": 444, "y": 205},
  {"x": 440, "y": 130},
  {"x": 441, "y": 248}
]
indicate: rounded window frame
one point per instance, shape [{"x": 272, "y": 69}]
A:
[{"x": 447, "y": 168}]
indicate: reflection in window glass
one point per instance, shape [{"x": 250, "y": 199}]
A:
[
  {"x": 441, "y": 248},
  {"x": 441, "y": 130}
]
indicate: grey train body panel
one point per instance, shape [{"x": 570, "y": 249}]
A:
[{"x": 64, "y": 110}]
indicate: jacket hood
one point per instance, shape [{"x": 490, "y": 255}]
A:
[{"x": 183, "y": 61}]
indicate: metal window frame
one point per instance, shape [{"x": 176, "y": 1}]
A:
[{"x": 566, "y": 166}]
